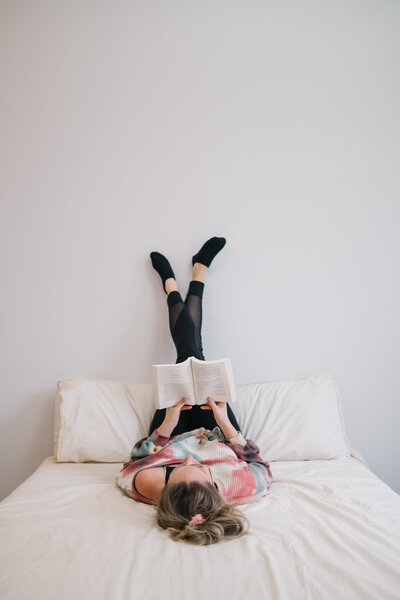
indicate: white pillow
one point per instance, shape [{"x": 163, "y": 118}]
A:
[
  {"x": 297, "y": 420},
  {"x": 100, "y": 420},
  {"x": 293, "y": 420}
]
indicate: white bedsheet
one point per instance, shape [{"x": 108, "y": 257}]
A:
[{"x": 327, "y": 530}]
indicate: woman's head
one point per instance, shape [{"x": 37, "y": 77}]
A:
[{"x": 180, "y": 501}]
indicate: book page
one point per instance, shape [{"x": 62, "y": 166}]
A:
[
  {"x": 213, "y": 378},
  {"x": 171, "y": 383}
]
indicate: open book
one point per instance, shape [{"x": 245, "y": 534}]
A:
[{"x": 194, "y": 379}]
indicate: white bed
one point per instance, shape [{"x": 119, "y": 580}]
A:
[{"x": 328, "y": 529}]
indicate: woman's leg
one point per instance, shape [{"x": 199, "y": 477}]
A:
[
  {"x": 186, "y": 328},
  {"x": 186, "y": 336},
  {"x": 194, "y": 296}
]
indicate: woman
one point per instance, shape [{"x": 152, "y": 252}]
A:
[{"x": 195, "y": 464}]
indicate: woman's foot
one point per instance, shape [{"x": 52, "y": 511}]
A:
[
  {"x": 163, "y": 268},
  {"x": 209, "y": 251}
]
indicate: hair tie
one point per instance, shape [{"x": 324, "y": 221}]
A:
[{"x": 196, "y": 519}]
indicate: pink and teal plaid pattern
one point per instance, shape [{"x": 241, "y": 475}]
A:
[{"x": 245, "y": 476}]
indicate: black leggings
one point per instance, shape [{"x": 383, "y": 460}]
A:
[{"x": 185, "y": 324}]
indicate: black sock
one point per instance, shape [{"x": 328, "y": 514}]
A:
[
  {"x": 162, "y": 266},
  {"x": 209, "y": 251}
]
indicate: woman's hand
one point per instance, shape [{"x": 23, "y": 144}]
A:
[
  {"x": 171, "y": 418},
  {"x": 219, "y": 409}
]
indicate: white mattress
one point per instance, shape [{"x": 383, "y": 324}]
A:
[{"x": 327, "y": 529}]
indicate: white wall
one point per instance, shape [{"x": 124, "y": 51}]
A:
[{"x": 132, "y": 126}]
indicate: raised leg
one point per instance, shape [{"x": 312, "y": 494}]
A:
[
  {"x": 185, "y": 317},
  {"x": 184, "y": 331},
  {"x": 195, "y": 294}
]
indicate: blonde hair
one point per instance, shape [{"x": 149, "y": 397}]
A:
[{"x": 179, "y": 502}]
